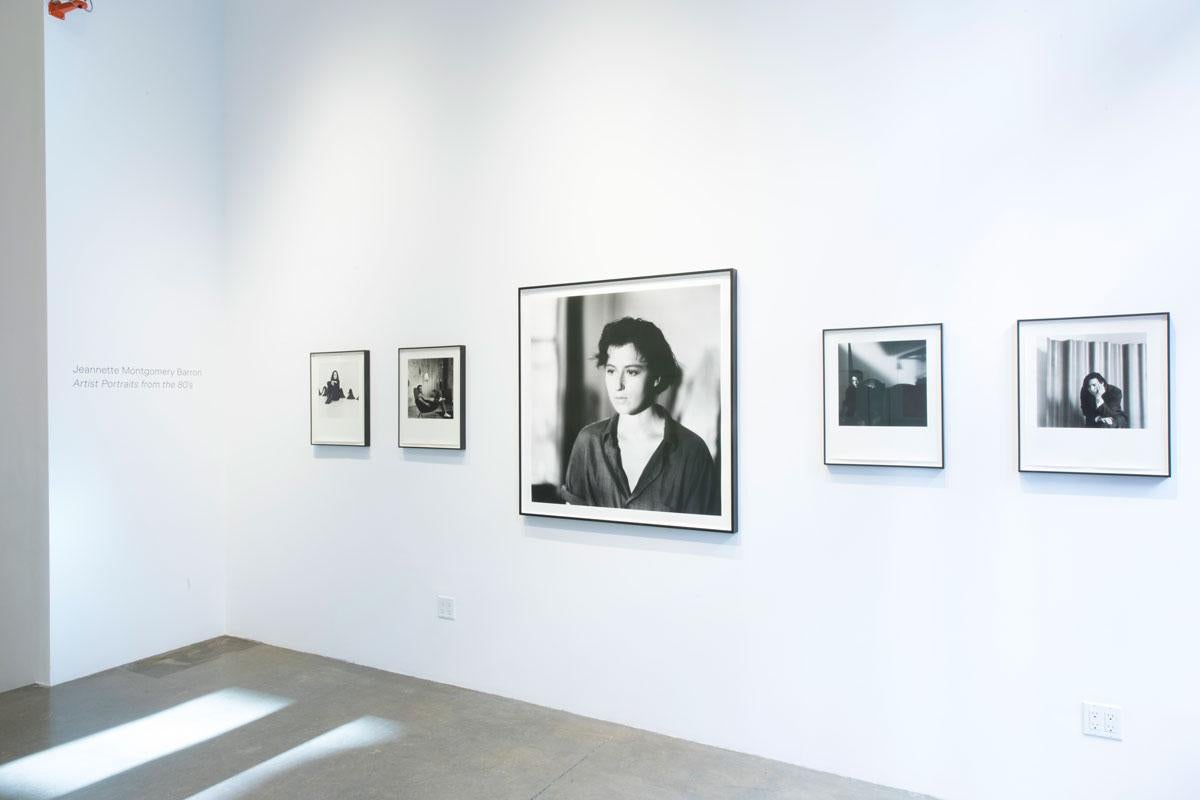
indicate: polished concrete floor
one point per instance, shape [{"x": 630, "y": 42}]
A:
[{"x": 230, "y": 718}]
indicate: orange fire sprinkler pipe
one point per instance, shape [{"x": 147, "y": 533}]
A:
[{"x": 60, "y": 10}]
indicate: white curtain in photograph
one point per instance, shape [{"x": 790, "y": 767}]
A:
[{"x": 1068, "y": 361}]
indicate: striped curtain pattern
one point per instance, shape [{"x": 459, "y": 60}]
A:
[{"x": 1064, "y": 364}]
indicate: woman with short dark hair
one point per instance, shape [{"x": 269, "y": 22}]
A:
[{"x": 640, "y": 457}]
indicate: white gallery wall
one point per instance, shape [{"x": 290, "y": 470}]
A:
[
  {"x": 395, "y": 175},
  {"x": 23, "y": 469},
  {"x": 135, "y": 284}
]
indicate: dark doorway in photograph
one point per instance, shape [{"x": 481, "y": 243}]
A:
[
  {"x": 431, "y": 388},
  {"x": 883, "y": 384}
]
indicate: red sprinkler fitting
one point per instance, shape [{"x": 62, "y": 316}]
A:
[{"x": 60, "y": 10}]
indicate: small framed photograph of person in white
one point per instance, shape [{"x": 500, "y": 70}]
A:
[
  {"x": 339, "y": 398},
  {"x": 1094, "y": 395},
  {"x": 883, "y": 396},
  {"x": 627, "y": 401},
  {"x": 432, "y": 413}
]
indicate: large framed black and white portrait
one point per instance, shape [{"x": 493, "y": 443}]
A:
[
  {"x": 1093, "y": 395},
  {"x": 339, "y": 398},
  {"x": 627, "y": 400},
  {"x": 883, "y": 396},
  {"x": 432, "y": 412}
]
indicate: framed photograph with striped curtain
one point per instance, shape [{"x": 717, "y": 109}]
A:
[{"x": 1094, "y": 395}]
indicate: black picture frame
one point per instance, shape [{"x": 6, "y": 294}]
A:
[
  {"x": 459, "y": 400},
  {"x": 361, "y": 427},
  {"x": 934, "y": 453},
  {"x": 1157, "y": 373},
  {"x": 724, "y": 285}
]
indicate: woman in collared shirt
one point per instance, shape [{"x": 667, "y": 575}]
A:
[{"x": 640, "y": 457}]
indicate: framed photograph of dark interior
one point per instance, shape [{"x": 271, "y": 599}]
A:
[
  {"x": 883, "y": 396},
  {"x": 1094, "y": 395},
  {"x": 340, "y": 398},
  {"x": 432, "y": 413},
  {"x": 627, "y": 400}
]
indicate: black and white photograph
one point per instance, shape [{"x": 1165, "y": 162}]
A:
[
  {"x": 627, "y": 400},
  {"x": 339, "y": 410},
  {"x": 883, "y": 396},
  {"x": 883, "y": 383},
  {"x": 1093, "y": 394},
  {"x": 431, "y": 397},
  {"x": 1073, "y": 391}
]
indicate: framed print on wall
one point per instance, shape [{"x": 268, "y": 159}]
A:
[
  {"x": 627, "y": 400},
  {"x": 883, "y": 396},
  {"x": 340, "y": 398},
  {"x": 1094, "y": 394},
  {"x": 432, "y": 412}
]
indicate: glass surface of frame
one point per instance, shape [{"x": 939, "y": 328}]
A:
[
  {"x": 627, "y": 400},
  {"x": 1093, "y": 395},
  {"x": 883, "y": 400},
  {"x": 431, "y": 397},
  {"x": 339, "y": 398}
]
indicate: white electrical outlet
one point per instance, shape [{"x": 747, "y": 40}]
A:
[
  {"x": 445, "y": 607},
  {"x": 1103, "y": 721}
]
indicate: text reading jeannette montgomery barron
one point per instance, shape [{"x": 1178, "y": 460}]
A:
[{"x": 131, "y": 377}]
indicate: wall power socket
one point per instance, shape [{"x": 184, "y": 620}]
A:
[
  {"x": 445, "y": 607},
  {"x": 1102, "y": 721}
]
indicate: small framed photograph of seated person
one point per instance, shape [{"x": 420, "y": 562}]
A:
[
  {"x": 1094, "y": 395},
  {"x": 432, "y": 409},
  {"x": 883, "y": 396},
  {"x": 627, "y": 401},
  {"x": 339, "y": 398}
]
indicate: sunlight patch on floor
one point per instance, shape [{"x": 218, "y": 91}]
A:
[
  {"x": 71, "y": 766},
  {"x": 362, "y": 733}
]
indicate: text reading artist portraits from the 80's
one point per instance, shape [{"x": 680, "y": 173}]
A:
[{"x": 627, "y": 400}]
